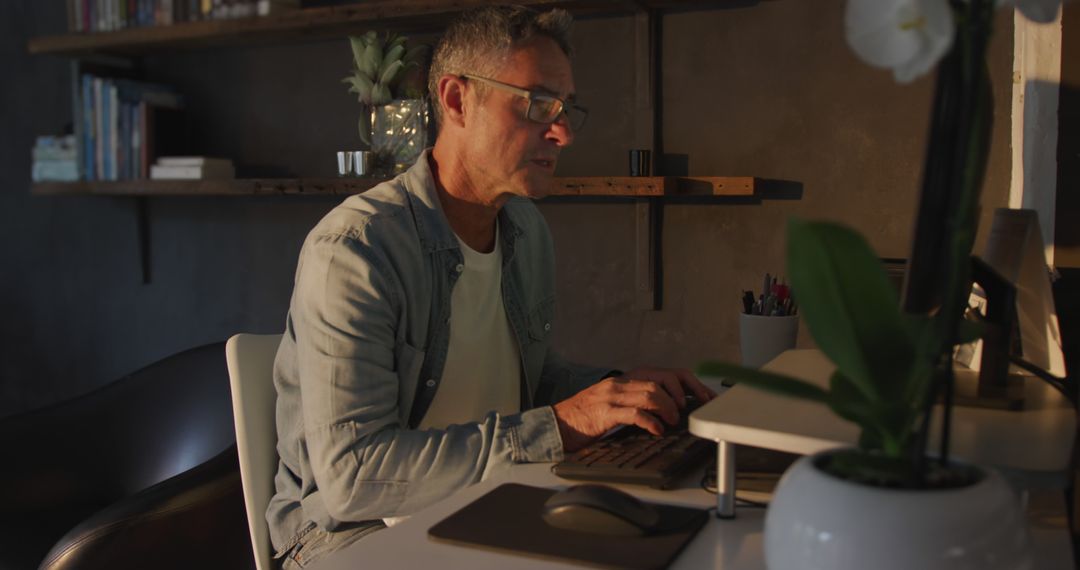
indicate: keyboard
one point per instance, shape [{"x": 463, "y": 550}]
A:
[{"x": 633, "y": 455}]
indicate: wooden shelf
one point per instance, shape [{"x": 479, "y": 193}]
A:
[
  {"x": 657, "y": 186},
  {"x": 299, "y": 25},
  {"x": 314, "y": 23},
  {"x": 627, "y": 186}
]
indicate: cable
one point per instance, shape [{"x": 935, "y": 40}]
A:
[
  {"x": 1057, "y": 383},
  {"x": 708, "y": 484}
]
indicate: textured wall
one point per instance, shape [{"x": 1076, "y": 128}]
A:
[
  {"x": 772, "y": 91},
  {"x": 769, "y": 90},
  {"x": 1067, "y": 231}
]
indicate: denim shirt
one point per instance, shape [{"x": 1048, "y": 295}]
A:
[{"x": 365, "y": 344}]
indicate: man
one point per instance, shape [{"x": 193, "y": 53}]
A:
[{"x": 416, "y": 358}]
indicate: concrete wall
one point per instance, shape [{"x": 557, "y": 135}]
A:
[{"x": 769, "y": 90}]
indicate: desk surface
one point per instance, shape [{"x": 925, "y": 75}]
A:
[
  {"x": 742, "y": 415},
  {"x": 722, "y": 544},
  {"x": 1034, "y": 445},
  {"x": 734, "y": 544}
]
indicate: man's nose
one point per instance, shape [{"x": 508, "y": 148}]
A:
[{"x": 560, "y": 131}]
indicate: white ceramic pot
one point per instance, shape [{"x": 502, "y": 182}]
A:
[{"x": 819, "y": 522}]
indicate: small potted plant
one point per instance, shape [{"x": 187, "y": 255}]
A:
[
  {"x": 891, "y": 502},
  {"x": 387, "y": 79}
]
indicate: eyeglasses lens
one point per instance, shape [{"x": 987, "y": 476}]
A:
[{"x": 545, "y": 110}]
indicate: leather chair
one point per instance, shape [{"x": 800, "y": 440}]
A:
[{"x": 141, "y": 473}]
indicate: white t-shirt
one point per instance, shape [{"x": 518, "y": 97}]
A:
[{"x": 483, "y": 366}]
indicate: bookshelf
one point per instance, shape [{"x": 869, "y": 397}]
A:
[
  {"x": 310, "y": 24},
  {"x": 611, "y": 186},
  {"x": 306, "y": 25},
  {"x": 321, "y": 23}
]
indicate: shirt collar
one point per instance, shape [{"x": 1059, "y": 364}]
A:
[{"x": 431, "y": 224}]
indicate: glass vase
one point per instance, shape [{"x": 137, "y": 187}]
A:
[{"x": 399, "y": 133}]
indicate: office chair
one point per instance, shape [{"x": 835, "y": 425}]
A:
[
  {"x": 250, "y": 359},
  {"x": 141, "y": 473}
]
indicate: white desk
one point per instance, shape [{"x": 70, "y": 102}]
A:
[
  {"x": 1033, "y": 446},
  {"x": 734, "y": 544},
  {"x": 741, "y": 415}
]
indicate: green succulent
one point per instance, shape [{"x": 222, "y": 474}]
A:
[{"x": 379, "y": 65}]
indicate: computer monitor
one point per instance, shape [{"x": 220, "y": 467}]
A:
[{"x": 1020, "y": 320}]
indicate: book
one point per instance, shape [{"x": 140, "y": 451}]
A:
[
  {"x": 194, "y": 161},
  {"x": 54, "y": 148},
  {"x": 194, "y": 172},
  {"x": 121, "y": 124},
  {"x": 271, "y": 7},
  {"x": 55, "y": 171},
  {"x": 55, "y": 158},
  {"x": 98, "y": 150},
  {"x": 113, "y": 133},
  {"x": 153, "y": 93}
]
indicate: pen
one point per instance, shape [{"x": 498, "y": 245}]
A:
[{"x": 775, "y": 299}]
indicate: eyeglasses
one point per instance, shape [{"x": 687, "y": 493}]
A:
[{"x": 542, "y": 108}]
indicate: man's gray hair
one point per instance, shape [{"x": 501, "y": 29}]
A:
[{"x": 480, "y": 40}]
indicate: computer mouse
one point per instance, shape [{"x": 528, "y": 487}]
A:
[{"x": 599, "y": 509}]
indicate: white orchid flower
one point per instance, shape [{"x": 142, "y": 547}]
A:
[
  {"x": 1042, "y": 11},
  {"x": 907, "y": 36}
]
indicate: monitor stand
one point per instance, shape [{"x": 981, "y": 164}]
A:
[{"x": 993, "y": 385}]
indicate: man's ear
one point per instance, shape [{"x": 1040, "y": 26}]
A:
[{"x": 452, "y": 99}]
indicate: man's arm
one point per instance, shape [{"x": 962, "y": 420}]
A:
[
  {"x": 646, "y": 397},
  {"x": 365, "y": 463},
  {"x": 560, "y": 378}
]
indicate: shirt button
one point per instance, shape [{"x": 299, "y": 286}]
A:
[
  {"x": 547, "y": 326},
  {"x": 430, "y": 383},
  {"x": 459, "y": 268}
]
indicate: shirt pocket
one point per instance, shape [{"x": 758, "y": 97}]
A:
[{"x": 541, "y": 319}]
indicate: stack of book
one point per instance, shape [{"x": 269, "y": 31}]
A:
[
  {"x": 120, "y": 124},
  {"x": 192, "y": 168},
  {"x": 112, "y": 15},
  {"x": 55, "y": 159}
]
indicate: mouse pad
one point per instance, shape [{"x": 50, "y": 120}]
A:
[{"x": 508, "y": 518}]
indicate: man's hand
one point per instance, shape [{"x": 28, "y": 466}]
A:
[{"x": 641, "y": 397}]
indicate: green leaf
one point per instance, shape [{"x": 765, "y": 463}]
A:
[
  {"x": 392, "y": 55},
  {"x": 918, "y": 326},
  {"x": 849, "y": 306},
  {"x": 388, "y": 75},
  {"x": 771, "y": 382},
  {"x": 358, "y": 46},
  {"x": 373, "y": 59},
  {"x": 380, "y": 95},
  {"x": 414, "y": 54},
  {"x": 887, "y": 427},
  {"x": 394, "y": 41},
  {"x": 362, "y": 86},
  {"x": 848, "y": 402}
]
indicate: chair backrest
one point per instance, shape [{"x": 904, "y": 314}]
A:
[{"x": 250, "y": 358}]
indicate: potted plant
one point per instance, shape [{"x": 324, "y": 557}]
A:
[
  {"x": 891, "y": 502},
  {"x": 387, "y": 80}
]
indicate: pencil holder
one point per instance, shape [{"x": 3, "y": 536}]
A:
[{"x": 762, "y": 338}]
